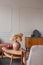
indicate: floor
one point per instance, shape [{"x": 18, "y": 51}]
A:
[{"x": 6, "y": 61}]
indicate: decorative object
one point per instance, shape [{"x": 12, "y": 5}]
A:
[
  {"x": 36, "y": 33},
  {"x": 16, "y": 39}
]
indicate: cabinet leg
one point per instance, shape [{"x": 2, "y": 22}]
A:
[{"x": 26, "y": 49}]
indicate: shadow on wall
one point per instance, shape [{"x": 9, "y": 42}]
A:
[{"x": 1, "y": 41}]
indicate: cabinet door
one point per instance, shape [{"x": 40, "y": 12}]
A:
[
  {"x": 34, "y": 41},
  {"x": 28, "y": 42},
  {"x": 39, "y": 41}
]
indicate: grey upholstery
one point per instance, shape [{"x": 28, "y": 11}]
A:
[{"x": 36, "y": 55}]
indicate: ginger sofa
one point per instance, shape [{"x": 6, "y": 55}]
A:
[{"x": 4, "y": 45}]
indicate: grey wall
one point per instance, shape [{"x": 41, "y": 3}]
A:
[{"x": 20, "y": 16}]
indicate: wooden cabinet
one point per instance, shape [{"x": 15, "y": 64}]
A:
[{"x": 30, "y": 41}]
